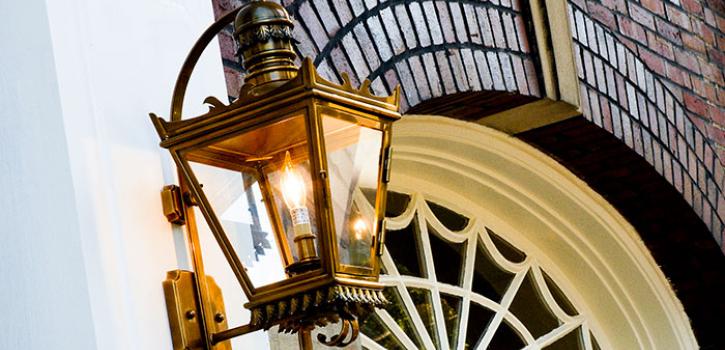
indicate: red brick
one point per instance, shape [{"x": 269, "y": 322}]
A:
[
  {"x": 703, "y": 31},
  {"x": 716, "y": 134},
  {"x": 705, "y": 89},
  {"x": 717, "y": 115},
  {"x": 698, "y": 85},
  {"x": 668, "y": 31},
  {"x": 675, "y": 89},
  {"x": 628, "y": 43},
  {"x": 636, "y": 138},
  {"x": 677, "y": 75},
  {"x": 632, "y": 29},
  {"x": 584, "y": 97},
  {"x": 602, "y": 14},
  {"x": 652, "y": 60},
  {"x": 655, "y": 6},
  {"x": 711, "y": 72},
  {"x": 532, "y": 78},
  {"x": 713, "y": 93},
  {"x": 227, "y": 44},
  {"x": 678, "y": 17},
  {"x": 696, "y": 104},
  {"x": 317, "y": 32},
  {"x": 223, "y": 6},
  {"x": 660, "y": 46},
  {"x": 234, "y": 81},
  {"x": 618, "y": 5},
  {"x": 342, "y": 65},
  {"x": 710, "y": 17},
  {"x": 716, "y": 55},
  {"x": 692, "y": 6},
  {"x": 687, "y": 59},
  {"x": 721, "y": 155},
  {"x": 698, "y": 122},
  {"x": 641, "y": 16},
  {"x": 606, "y": 114},
  {"x": 521, "y": 31},
  {"x": 720, "y": 22},
  {"x": 621, "y": 90},
  {"x": 693, "y": 42}
]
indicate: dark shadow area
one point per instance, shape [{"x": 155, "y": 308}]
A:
[
  {"x": 471, "y": 106},
  {"x": 679, "y": 241}
]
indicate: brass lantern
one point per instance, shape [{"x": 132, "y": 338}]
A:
[{"x": 294, "y": 154}]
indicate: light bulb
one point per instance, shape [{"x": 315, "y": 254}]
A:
[
  {"x": 293, "y": 187},
  {"x": 359, "y": 226}
]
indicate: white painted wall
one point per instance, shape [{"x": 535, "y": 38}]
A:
[
  {"x": 85, "y": 246},
  {"x": 116, "y": 61},
  {"x": 43, "y": 296}
]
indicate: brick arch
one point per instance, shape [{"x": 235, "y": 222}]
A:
[
  {"x": 430, "y": 48},
  {"x": 622, "y": 94}
]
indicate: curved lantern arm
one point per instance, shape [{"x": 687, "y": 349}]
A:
[{"x": 182, "y": 81}]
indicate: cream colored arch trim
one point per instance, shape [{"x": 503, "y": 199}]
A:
[{"x": 593, "y": 253}]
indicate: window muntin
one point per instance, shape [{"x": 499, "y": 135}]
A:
[{"x": 496, "y": 297}]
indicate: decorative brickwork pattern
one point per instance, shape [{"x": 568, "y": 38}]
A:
[
  {"x": 430, "y": 48},
  {"x": 620, "y": 93},
  {"x": 683, "y": 43}
]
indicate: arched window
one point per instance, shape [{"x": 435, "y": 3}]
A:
[
  {"x": 454, "y": 283},
  {"x": 491, "y": 244}
]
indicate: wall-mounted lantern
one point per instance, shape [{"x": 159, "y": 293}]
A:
[{"x": 298, "y": 149}]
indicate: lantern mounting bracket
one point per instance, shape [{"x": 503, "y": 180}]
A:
[
  {"x": 172, "y": 203},
  {"x": 331, "y": 272},
  {"x": 186, "y": 319}
]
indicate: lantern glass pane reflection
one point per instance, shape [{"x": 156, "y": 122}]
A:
[
  {"x": 237, "y": 200},
  {"x": 353, "y": 155},
  {"x": 259, "y": 186}
]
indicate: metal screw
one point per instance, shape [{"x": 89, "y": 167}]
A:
[
  {"x": 219, "y": 318},
  {"x": 190, "y": 314}
]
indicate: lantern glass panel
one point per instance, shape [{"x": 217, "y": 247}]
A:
[
  {"x": 256, "y": 182},
  {"x": 237, "y": 200},
  {"x": 353, "y": 146}
]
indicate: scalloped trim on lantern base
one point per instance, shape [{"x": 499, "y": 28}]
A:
[{"x": 319, "y": 307}]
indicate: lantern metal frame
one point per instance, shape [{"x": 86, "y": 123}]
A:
[{"x": 301, "y": 301}]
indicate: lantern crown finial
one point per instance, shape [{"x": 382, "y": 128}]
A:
[{"x": 263, "y": 30}]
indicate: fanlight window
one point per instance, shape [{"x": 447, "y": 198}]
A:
[{"x": 453, "y": 283}]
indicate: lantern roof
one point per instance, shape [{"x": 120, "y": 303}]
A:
[{"x": 308, "y": 84}]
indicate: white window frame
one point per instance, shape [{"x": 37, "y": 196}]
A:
[{"x": 594, "y": 255}]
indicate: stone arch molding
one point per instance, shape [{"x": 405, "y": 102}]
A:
[
  {"x": 592, "y": 251},
  {"x": 431, "y": 48}
]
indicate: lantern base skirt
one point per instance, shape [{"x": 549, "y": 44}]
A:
[{"x": 318, "y": 307}]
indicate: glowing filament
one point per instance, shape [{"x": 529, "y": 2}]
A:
[
  {"x": 293, "y": 187},
  {"x": 360, "y": 227}
]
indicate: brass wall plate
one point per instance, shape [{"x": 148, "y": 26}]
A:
[
  {"x": 171, "y": 201},
  {"x": 186, "y": 317}
]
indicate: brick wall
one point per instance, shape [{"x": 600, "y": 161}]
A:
[
  {"x": 430, "y": 48},
  {"x": 682, "y": 42},
  {"x": 622, "y": 92}
]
